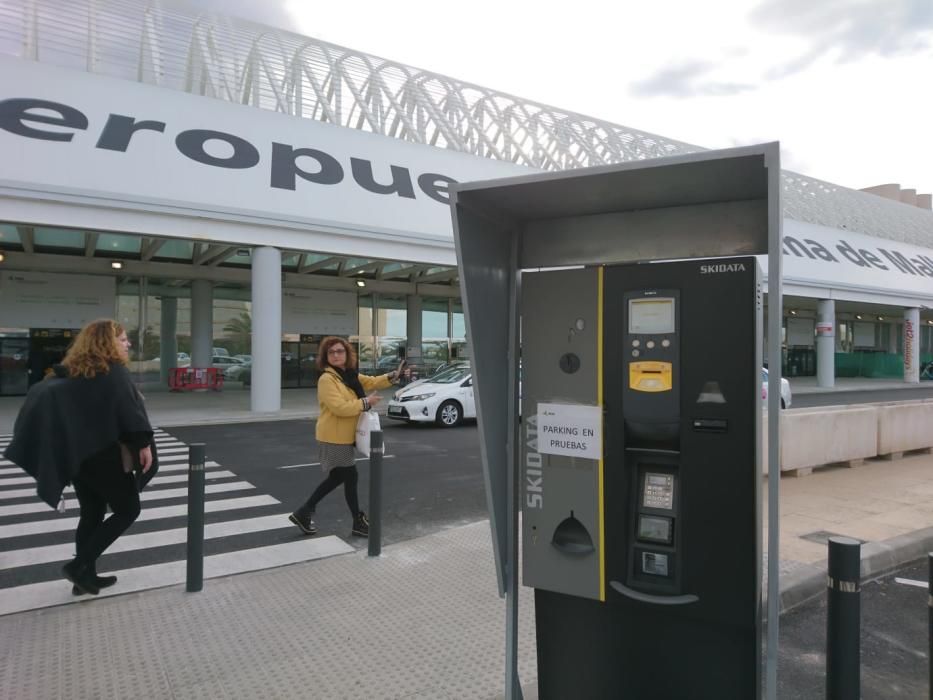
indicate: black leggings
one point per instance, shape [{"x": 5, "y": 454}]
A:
[
  {"x": 101, "y": 481},
  {"x": 348, "y": 476}
]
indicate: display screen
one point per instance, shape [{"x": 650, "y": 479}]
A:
[
  {"x": 654, "y": 563},
  {"x": 659, "y": 491},
  {"x": 654, "y": 529},
  {"x": 651, "y": 316}
]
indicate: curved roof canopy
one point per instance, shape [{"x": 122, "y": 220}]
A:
[{"x": 173, "y": 46}]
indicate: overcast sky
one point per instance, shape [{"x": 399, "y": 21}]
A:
[{"x": 844, "y": 85}]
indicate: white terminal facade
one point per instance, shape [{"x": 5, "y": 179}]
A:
[{"x": 223, "y": 188}]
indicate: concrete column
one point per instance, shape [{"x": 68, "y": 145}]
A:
[
  {"x": 168, "y": 341},
  {"x": 266, "y": 390},
  {"x": 202, "y": 323},
  {"x": 912, "y": 346},
  {"x": 413, "y": 329},
  {"x": 826, "y": 342}
]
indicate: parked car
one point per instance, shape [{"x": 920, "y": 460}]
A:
[
  {"x": 236, "y": 373},
  {"x": 445, "y": 398},
  {"x": 785, "y": 389},
  {"x": 444, "y": 366},
  {"x": 225, "y": 362}
]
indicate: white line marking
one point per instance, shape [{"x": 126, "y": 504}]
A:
[
  {"x": 145, "y": 496},
  {"x": 157, "y": 481},
  {"x": 171, "y": 467},
  {"x": 317, "y": 464},
  {"x": 63, "y": 524},
  {"x": 48, "y": 593},
  {"x": 145, "y": 540},
  {"x": 911, "y": 582}
]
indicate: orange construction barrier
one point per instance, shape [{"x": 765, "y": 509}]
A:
[{"x": 191, "y": 378}]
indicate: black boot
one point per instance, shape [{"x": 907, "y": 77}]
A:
[
  {"x": 302, "y": 518},
  {"x": 82, "y": 576},
  {"x": 360, "y": 525},
  {"x": 100, "y": 581}
]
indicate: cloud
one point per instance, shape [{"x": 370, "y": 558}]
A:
[
  {"x": 849, "y": 29},
  {"x": 688, "y": 79}
]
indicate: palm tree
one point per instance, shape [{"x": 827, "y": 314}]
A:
[{"x": 239, "y": 330}]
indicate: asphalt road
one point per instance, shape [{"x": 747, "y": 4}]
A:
[
  {"x": 838, "y": 398},
  {"x": 894, "y": 641},
  {"x": 432, "y": 477}
]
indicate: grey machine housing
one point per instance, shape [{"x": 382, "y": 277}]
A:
[{"x": 713, "y": 204}]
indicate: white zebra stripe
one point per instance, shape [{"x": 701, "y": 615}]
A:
[
  {"x": 64, "y": 524},
  {"x": 157, "y": 481},
  {"x": 145, "y": 496},
  {"x": 145, "y": 540}
]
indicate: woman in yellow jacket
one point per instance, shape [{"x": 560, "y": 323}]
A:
[{"x": 341, "y": 392}]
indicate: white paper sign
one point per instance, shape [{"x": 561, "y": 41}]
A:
[{"x": 571, "y": 430}]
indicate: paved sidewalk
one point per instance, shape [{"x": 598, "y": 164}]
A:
[{"x": 421, "y": 622}]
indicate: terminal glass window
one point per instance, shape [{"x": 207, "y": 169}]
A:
[{"x": 435, "y": 340}]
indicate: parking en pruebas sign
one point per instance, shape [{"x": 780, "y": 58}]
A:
[{"x": 571, "y": 430}]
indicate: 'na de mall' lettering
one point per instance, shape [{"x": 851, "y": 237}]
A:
[{"x": 843, "y": 251}]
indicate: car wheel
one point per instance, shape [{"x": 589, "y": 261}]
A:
[{"x": 449, "y": 414}]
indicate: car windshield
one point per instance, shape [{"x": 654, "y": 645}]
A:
[{"x": 450, "y": 376}]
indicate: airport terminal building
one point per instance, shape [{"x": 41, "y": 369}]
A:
[{"x": 233, "y": 193}]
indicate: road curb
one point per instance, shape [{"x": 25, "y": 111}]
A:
[{"x": 877, "y": 559}]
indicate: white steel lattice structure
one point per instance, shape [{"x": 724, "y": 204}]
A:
[{"x": 169, "y": 44}]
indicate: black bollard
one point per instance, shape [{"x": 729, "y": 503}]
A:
[
  {"x": 843, "y": 613},
  {"x": 195, "y": 574},
  {"x": 375, "y": 493}
]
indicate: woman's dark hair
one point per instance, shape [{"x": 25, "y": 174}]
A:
[{"x": 329, "y": 342}]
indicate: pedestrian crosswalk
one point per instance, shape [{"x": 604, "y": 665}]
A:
[{"x": 244, "y": 531}]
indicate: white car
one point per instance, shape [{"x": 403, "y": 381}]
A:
[
  {"x": 785, "y": 389},
  {"x": 446, "y": 398}
]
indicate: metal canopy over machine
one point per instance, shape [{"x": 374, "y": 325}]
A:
[{"x": 705, "y": 205}]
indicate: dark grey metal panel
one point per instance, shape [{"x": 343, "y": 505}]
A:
[
  {"x": 486, "y": 258},
  {"x": 699, "y": 231},
  {"x": 699, "y": 178}
]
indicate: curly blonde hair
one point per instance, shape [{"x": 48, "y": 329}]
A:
[{"x": 94, "y": 349}]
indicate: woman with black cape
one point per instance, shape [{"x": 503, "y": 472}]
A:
[{"x": 86, "y": 425}]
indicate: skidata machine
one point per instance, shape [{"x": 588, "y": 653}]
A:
[{"x": 641, "y": 413}]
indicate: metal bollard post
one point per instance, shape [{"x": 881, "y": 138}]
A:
[
  {"x": 375, "y": 493},
  {"x": 195, "y": 574},
  {"x": 843, "y": 613}
]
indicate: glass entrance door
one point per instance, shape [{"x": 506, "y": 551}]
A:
[{"x": 14, "y": 366}]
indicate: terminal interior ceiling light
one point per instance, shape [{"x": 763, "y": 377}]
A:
[
  {"x": 793, "y": 312},
  {"x": 858, "y": 317},
  {"x": 360, "y": 283},
  {"x": 2, "y": 257},
  {"x": 116, "y": 264}
]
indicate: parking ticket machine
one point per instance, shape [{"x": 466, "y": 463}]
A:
[{"x": 645, "y": 554}]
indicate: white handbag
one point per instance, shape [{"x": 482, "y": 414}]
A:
[{"x": 368, "y": 422}]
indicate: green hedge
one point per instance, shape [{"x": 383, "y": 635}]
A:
[{"x": 876, "y": 365}]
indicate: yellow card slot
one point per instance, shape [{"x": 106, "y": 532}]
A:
[{"x": 650, "y": 376}]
